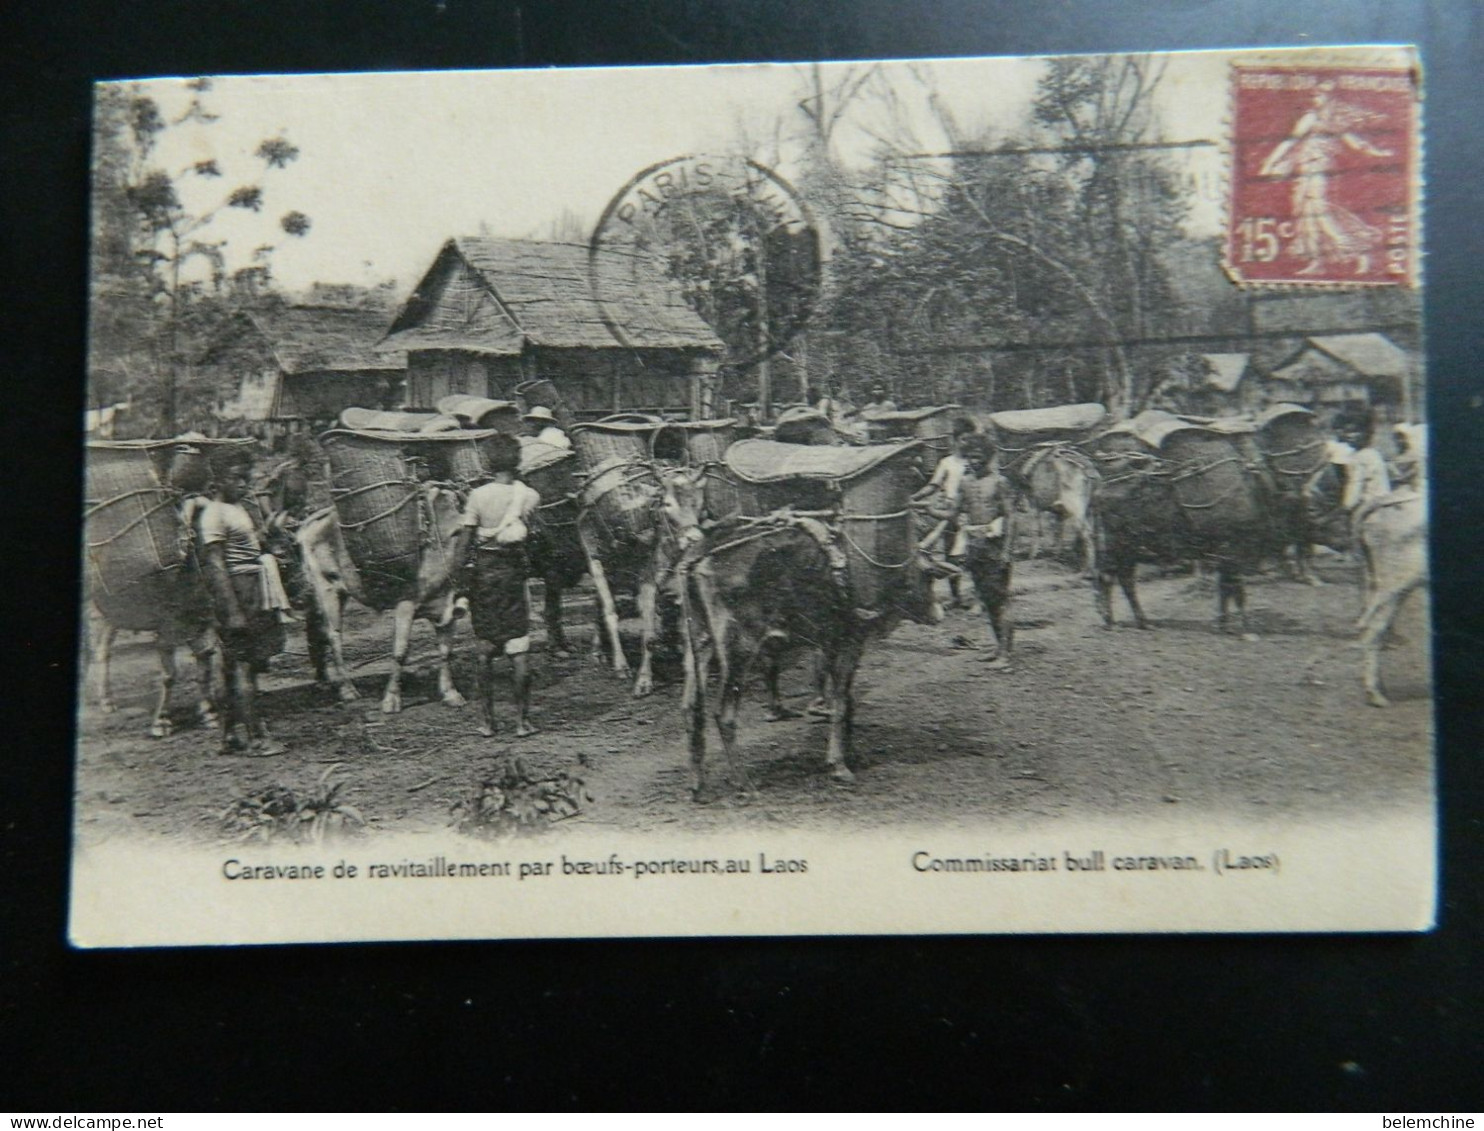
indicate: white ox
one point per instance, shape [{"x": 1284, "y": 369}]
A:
[
  {"x": 333, "y": 578},
  {"x": 1393, "y": 544}
]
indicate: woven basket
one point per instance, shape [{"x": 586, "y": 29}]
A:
[
  {"x": 1293, "y": 445},
  {"x": 1020, "y": 431},
  {"x": 865, "y": 490},
  {"x": 1213, "y": 485},
  {"x": 375, "y": 420},
  {"x": 376, "y": 495},
  {"x": 933, "y": 426},
  {"x": 552, "y": 473},
  {"x": 132, "y": 530}
]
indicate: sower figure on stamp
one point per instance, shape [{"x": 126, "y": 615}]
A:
[
  {"x": 248, "y": 600},
  {"x": 987, "y": 516},
  {"x": 495, "y": 528}
]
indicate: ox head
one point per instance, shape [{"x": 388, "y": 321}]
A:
[{"x": 682, "y": 501}]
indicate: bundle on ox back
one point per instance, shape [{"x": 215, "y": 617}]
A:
[
  {"x": 140, "y": 570},
  {"x": 635, "y": 513},
  {"x": 1171, "y": 488},
  {"x": 1041, "y": 456},
  {"x": 1307, "y": 488},
  {"x": 387, "y": 541},
  {"x": 824, "y": 558}
]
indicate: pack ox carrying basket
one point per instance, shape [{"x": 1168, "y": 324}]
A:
[
  {"x": 621, "y": 484},
  {"x": 862, "y": 492},
  {"x": 1293, "y": 445},
  {"x": 377, "y": 481},
  {"x": 135, "y": 542},
  {"x": 933, "y": 426},
  {"x": 552, "y": 473},
  {"x": 1212, "y": 479},
  {"x": 703, "y": 444}
]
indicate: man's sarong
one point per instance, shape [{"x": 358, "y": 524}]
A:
[
  {"x": 497, "y": 597},
  {"x": 263, "y": 637}
]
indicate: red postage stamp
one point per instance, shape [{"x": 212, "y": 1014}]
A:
[{"x": 1324, "y": 176}]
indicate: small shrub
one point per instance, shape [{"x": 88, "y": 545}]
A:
[
  {"x": 277, "y": 812},
  {"x": 509, "y": 802}
]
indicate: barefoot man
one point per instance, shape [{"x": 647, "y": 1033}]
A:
[
  {"x": 494, "y": 535},
  {"x": 248, "y": 600},
  {"x": 987, "y": 512}
]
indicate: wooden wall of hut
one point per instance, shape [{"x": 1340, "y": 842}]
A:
[{"x": 435, "y": 374}]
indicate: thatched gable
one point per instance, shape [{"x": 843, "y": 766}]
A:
[
  {"x": 499, "y": 296},
  {"x": 301, "y": 361}
]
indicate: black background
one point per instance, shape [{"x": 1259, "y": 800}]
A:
[{"x": 1379, "y": 1023}]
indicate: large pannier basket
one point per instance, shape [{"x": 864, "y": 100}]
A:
[
  {"x": 1293, "y": 445},
  {"x": 864, "y": 491},
  {"x": 1021, "y": 431},
  {"x": 136, "y": 546},
  {"x": 621, "y": 483},
  {"x": 933, "y": 426},
  {"x": 552, "y": 473},
  {"x": 482, "y": 412},
  {"x": 132, "y": 529},
  {"x": 704, "y": 444},
  {"x": 376, "y": 492},
  {"x": 1212, "y": 479}
]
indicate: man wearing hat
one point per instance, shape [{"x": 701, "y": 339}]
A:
[{"x": 544, "y": 427}]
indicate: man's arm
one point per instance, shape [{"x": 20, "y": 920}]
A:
[{"x": 229, "y": 609}]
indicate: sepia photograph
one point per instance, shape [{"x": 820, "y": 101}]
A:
[{"x": 977, "y": 495}]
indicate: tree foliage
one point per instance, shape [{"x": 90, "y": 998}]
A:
[{"x": 161, "y": 282}]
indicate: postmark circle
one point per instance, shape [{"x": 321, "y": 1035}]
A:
[{"x": 733, "y": 236}]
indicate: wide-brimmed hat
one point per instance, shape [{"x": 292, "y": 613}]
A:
[{"x": 541, "y": 413}]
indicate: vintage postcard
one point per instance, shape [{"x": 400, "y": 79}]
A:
[{"x": 973, "y": 496}]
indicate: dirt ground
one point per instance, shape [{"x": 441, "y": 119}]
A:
[{"x": 1087, "y": 723}]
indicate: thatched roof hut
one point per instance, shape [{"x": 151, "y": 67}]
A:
[
  {"x": 490, "y": 314},
  {"x": 303, "y": 363}
]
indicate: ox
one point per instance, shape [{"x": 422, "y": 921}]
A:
[
  {"x": 333, "y": 577},
  {"x": 757, "y": 591},
  {"x": 1393, "y": 544},
  {"x": 644, "y": 560},
  {"x": 185, "y": 619},
  {"x": 1058, "y": 479},
  {"x": 1180, "y": 491}
]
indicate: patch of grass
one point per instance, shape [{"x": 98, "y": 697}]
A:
[{"x": 277, "y": 812}]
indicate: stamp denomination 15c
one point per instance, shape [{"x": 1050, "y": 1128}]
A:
[{"x": 1323, "y": 176}]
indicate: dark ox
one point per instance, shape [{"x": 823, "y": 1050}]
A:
[
  {"x": 1196, "y": 494},
  {"x": 755, "y": 592}
]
